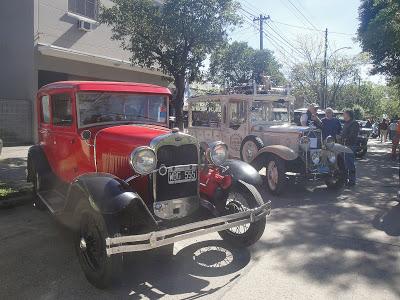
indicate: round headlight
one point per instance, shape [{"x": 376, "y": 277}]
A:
[
  {"x": 218, "y": 153},
  {"x": 143, "y": 160},
  {"x": 329, "y": 142},
  {"x": 315, "y": 158}
]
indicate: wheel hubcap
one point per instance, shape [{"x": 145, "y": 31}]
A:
[
  {"x": 250, "y": 150},
  {"x": 82, "y": 244},
  {"x": 272, "y": 174}
]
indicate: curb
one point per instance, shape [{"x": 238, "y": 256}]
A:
[{"x": 15, "y": 201}]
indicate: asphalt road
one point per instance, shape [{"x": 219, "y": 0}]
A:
[{"x": 317, "y": 245}]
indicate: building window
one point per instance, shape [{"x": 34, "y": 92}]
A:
[
  {"x": 85, "y": 8},
  {"x": 45, "y": 110},
  {"x": 62, "y": 109}
]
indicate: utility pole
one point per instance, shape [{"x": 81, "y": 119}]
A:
[
  {"x": 261, "y": 19},
  {"x": 325, "y": 93}
]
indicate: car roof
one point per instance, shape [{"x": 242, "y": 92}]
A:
[{"x": 107, "y": 86}]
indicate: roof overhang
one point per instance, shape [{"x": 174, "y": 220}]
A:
[{"x": 76, "y": 55}]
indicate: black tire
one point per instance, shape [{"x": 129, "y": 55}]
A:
[
  {"x": 259, "y": 144},
  {"x": 276, "y": 185},
  {"x": 101, "y": 270},
  {"x": 39, "y": 184},
  {"x": 240, "y": 199},
  {"x": 361, "y": 152}
]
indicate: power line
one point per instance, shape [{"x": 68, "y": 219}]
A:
[
  {"x": 312, "y": 29},
  {"x": 305, "y": 18},
  {"x": 285, "y": 40}
]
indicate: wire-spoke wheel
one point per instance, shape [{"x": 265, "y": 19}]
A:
[
  {"x": 100, "y": 270},
  {"x": 239, "y": 200}
]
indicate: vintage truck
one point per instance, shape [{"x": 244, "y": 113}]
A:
[
  {"x": 258, "y": 129},
  {"x": 109, "y": 168}
]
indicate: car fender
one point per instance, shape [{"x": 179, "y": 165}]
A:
[
  {"x": 242, "y": 171},
  {"x": 283, "y": 152},
  {"x": 109, "y": 196},
  {"x": 339, "y": 148}
]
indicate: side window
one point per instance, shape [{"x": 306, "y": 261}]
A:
[
  {"x": 206, "y": 113},
  {"x": 237, "y": 114},
  {"x": 45, "y": 111},
  {"x": 61, "y": 106}
]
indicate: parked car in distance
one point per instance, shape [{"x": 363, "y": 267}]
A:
[
  {"x": 108, "y": 167},
  {"x": 258, "y": 130}
]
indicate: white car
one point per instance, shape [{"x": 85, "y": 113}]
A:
[{"x": 258, "y": 130}]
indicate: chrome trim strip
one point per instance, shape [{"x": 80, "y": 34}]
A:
[{"x": 168, "y": 236}]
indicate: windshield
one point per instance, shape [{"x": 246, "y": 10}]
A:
[
  {"x": 267, "y": 111},
  {"x": 105, "y": 108}
]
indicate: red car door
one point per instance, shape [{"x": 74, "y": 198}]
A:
[{"x": 64, "y": 135}]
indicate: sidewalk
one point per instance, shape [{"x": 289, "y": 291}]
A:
[{"x": 13, "y": 171}]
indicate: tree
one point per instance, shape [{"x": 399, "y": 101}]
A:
[
  {"x": 379, "y": 34},
  {"x": 175, "y": 36},
  {"x": 307, "y": 76},
  {"x": 359, "y": 112},
  {"x": 238, "y": 63}
]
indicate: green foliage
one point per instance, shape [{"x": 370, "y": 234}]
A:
[
  {"x": 238, "y": 63},
  {"x": 359, "y": 112},
  {"x": 379, "y": 34},
  {"x": 175, "y": 37}
]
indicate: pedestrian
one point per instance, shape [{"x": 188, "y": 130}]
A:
[
  {"x": 383, "y": 128},
  {"x": 330, "y": 125},
  {"x": 310, "y": 117},
  {"x": 368, "y": 124},
  {"x": 395, "y": 141},
  {"x": 349, "y": 139},
  {"x": 392, "y": 129}
]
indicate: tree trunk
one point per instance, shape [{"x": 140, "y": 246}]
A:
[{"x": 180, "y": 94}]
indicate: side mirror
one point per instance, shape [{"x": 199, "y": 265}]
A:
[{"x": 86, "y": 135}]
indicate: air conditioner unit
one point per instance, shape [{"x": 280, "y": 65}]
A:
[{"x": 85, "y": 26}]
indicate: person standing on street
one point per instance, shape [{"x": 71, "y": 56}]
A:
[
  {"x": 310, "y": 117},
  {"x": 383, "y": 127},
  {"x": 330, "y": 125},
  {"x": 395, "y": 141},
  {"x": 392, "y": 129},
  {"x": 349, "y": 139}
]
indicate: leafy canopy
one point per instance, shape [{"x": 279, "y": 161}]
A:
[
  {"x": 379, "y": 34},
  {"x": 238, "y": 63},
  {"x": 175, "y": 36}
]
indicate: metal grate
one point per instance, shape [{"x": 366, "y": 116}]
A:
[{"x": 15, "y": 122}]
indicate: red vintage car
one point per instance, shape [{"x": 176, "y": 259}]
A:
[{"x": 109, "y": 168}]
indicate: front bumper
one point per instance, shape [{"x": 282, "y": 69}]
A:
[{"x": 133, "y": 243}]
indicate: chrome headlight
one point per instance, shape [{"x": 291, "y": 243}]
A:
[
  {"x": 331, "y": 157},
  {"x": 143, "y": 160},
  {"x": 305, "y": 143},
  {"x": 315, "y": 158},
  {"x": 218, "y": 153},
  {"x": 329, "y": 142}
]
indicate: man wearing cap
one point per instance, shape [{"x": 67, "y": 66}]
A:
[{"x": 310, "y": 117}]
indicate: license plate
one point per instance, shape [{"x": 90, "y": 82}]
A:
[{"x": 182, "y": 174}]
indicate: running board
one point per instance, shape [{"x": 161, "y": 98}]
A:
[{"x": 54, "y": 200}]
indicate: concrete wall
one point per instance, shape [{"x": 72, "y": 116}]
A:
[
  {"x": 17, "y": 76},
  {"x": 56, "y": 27}
]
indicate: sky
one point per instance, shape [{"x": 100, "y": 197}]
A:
[{"x": 308, "y": 17}]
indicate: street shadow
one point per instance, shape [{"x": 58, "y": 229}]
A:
[
  {"x": 212, "y": 258},
  {"x": 389, "y": 221},
  {"x": 332, "y": 237}
]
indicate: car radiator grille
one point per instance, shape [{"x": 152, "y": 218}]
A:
[{"x": 174, "y": 156}]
